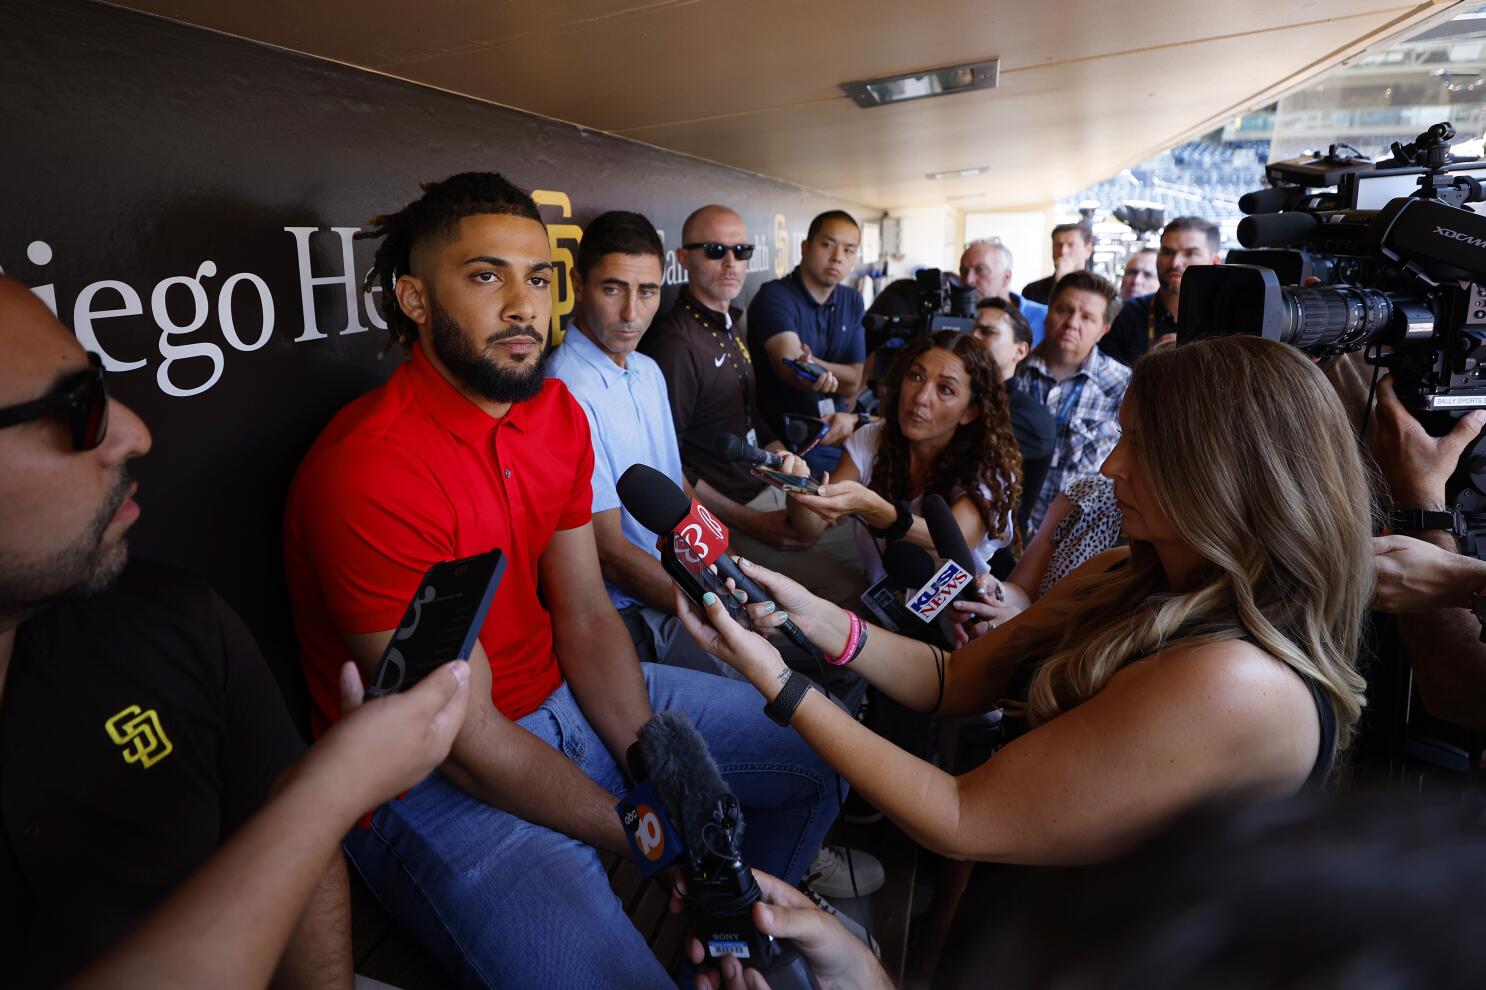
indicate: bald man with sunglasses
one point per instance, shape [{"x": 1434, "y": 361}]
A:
[{"x": 702, "y": 348}]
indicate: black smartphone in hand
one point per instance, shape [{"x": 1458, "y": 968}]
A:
[
  {"x": 442, "y": 621},
  {"x": 808, "y": 370},
  {"x": 788, "y": 483}
]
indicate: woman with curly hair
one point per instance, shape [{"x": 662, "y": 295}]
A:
[
  {"x": 946, "y": 430},
  {"x": 1216, "y": 655}
]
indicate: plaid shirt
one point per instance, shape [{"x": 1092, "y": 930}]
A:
[{"x": 1086, "y": 406}]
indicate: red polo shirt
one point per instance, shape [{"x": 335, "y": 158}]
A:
[{"x": 411, "y": 474}]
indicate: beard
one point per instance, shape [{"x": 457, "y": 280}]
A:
[
  {"x": 84, "y": 567},
  {"x": 476, "y": 370}
]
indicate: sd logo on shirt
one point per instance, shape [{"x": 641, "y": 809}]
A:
[{"x": 141, "y": 735}]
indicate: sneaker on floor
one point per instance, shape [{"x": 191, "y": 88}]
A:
[
  {"x": 847, "y": 922},
  {"x": 830, "y": 876}
]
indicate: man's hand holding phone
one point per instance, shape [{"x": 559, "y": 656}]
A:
[
  {"x": 824, "y": 382},
  {"x": 381, "y": 747}
]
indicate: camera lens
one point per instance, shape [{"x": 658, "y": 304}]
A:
[{"x": 1335, "y": 318}]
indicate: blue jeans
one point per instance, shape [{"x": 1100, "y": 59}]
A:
[{"x": 502, "y": 902}]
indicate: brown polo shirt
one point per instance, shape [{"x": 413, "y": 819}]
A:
[{"x": 709, "y": 375}]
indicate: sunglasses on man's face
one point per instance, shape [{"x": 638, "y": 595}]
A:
[
  {"x": 81, "y": 399},
  {"x": 713, "y": 251}
]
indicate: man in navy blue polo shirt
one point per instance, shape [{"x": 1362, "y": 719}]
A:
[{"x": 810, "y": 317}]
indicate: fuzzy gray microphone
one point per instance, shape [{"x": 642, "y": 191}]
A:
[{"x": 685, "y": 777}]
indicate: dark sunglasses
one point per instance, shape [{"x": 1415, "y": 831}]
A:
[
  {"x": 713, "y": 251},
  {"x": 82, "y": 399}
]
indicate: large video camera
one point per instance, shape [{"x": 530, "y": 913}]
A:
[
  {"x": 1393, "y": 258},
  {"x": 933, "y": 300}
]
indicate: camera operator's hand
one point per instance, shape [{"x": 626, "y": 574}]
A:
[
  {"x": 837, "y": 958},
  {"x": 827, "y": 383},
  {"x": 1415, "y": 464},
  {"x": 1351, "y": 376},
  {"x": 1415, "y": 576}
]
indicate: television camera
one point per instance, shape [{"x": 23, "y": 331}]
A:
[
  {"x": 933, "y": 300},
  {"x": 1392, "y": 256}
]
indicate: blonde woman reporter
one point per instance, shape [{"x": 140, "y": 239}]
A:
[{"x": 1212, "y": 656}]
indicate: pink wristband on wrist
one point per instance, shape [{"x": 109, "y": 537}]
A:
[{"x": 852, "y": 638}]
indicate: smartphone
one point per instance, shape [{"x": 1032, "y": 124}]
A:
[
  {"x": 695, "y": 578},
  {"x": 788, "y": 482},
  {"x": 808, "y": 370},
  {"x": 802, "y": 433},
  {"x": 442, "y": 621}
]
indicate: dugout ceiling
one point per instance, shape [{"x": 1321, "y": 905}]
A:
[{"x": 1087, "y": 86}]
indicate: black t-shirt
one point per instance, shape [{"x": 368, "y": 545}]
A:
[
  {"x": 1040, "y": 290},
  {"x": 710, "y": 384},
  {"x": 138, "y": 729},
  {"x": 1035, "y": 431},
  {"x": 1139, "y": 322}
]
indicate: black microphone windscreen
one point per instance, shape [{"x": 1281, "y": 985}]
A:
[
  {"x": 797, "y": 434},
  {"x": 909, "y": 565},
  {"x": 1270, "y": 200},
  {"x": 655, "y": 501},
  {"x": 949, "y": 540},
  {"x": 684, "y": 775},
  {"x": 729, "y": 447},
  {"x": 1275, "y": 229}
]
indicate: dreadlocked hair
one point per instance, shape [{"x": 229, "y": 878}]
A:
[
  {"x": 982, "y": 452},
  {"x": 434, "y": 214}
]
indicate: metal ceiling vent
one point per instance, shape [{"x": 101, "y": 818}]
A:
[{"x": 925, "y": 83}]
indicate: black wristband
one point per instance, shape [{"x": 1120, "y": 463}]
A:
[
  {"x": 782, "y": 708},
  {"x": 900, "y": 525},
  {"x": 1446, "y": 519}
]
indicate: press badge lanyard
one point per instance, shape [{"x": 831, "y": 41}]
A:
[{"x": 733, "y": 350}]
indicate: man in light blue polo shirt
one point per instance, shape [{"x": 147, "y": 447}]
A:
[{"x": 616, "y": 281}]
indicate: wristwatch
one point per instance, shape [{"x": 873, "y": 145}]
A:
[
  {"x": 1446, "y": 519},
  {"x": 782, "y": 708}
]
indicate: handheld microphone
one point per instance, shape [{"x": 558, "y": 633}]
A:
[
  {"x": 913, "y": 568},
  {"x": 720, "y": 888},
  {"x": 944, "y": 529},
  {"x": 661, "y": 507},
  {"x": 909, "y": 565},
  {"x": 731, "y": 448}
]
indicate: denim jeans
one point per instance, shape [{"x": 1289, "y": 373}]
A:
[{"x": 501, "y": 902}]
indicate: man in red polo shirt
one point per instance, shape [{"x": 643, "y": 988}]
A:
[{"x": 492, "y": 862}]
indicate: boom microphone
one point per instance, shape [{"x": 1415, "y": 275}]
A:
[
  {"x": 1272, "y": 200},
  {"x": 1275, "y": 230},
  {"x": 661, "y": 507},
  {"x": 720, "y": 888},
  {"x": 677, "y": 762},
  {"x": 731, "y": 448}
]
